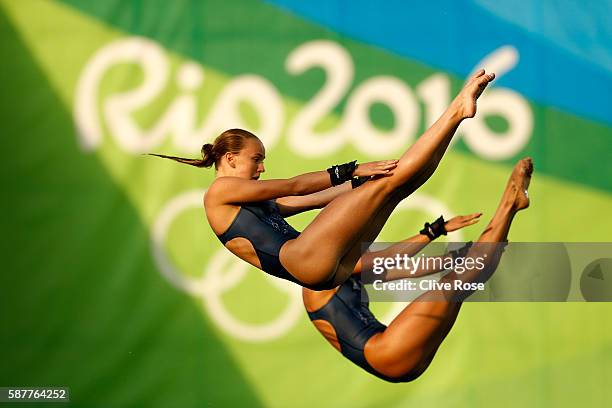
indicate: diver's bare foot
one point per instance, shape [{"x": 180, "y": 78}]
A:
[
  {"x": 465, "y": 102},
  {"x": 518, "y": 184}
]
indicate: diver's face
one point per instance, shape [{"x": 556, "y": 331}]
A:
[{"x": 249, "y": 163}]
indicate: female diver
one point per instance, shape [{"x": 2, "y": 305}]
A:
[
  {"x": 247, "y": 214},
  {"x": 402, "y": 351}
]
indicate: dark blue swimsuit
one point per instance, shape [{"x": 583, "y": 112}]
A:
[
  {"x": 349, "y": 314},
  {"x": 262, "y": 224}
]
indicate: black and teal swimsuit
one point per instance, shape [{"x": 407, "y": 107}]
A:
[
  {"x": 262, "y": 224},
  {"x": 349, "y": 313}
]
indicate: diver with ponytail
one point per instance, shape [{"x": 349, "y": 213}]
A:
[
  {"x": 237, "y": 152},
  {"x": 248, "y": 214}
]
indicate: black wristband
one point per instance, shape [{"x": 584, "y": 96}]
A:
[
  {"x": 435, "y": 229},
  {"x": 342, "y": 172},
  {"x": 357, "y": 181}
]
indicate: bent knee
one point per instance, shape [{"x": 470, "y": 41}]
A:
[
  {"x": 404, "y": 373},
  {"x": 408, "y": 377},
  {"x": 397, "y": 366}
]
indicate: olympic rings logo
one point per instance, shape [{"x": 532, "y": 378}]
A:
[{"x": 223, "y": 272}]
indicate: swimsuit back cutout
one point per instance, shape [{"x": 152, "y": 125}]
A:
[
  {"x": 262, "y": 224},
  {"x": 349, "y": 314}
]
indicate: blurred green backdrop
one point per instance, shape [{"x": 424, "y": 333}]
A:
[{"x": 114, "y": 285}]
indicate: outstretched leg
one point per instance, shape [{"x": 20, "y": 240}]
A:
[
  {"x": 408, "y": 345},
  {"x": 317, "y": 253}
]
